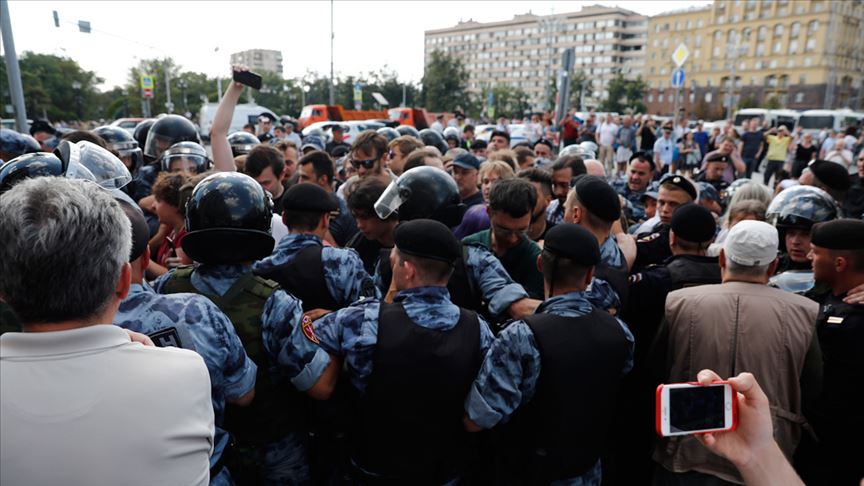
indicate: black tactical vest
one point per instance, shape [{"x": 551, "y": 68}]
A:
[
  {"x": 616, "y": 276},
  {"x": 303, "y": 277},
  {"x": 561, "y": 432},
  {"x": 409, "y": 425},
  {"x": 278, "y": 409}
]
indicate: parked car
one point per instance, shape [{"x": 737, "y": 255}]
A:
[{"x": 127, "y": 124}]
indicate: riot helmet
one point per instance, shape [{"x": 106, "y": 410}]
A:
[
  {"x": 167, "y": 131},
  {"x": 389, "y": 133},
  {"x": 142, "y": 129},
  {"x": 577, "y": 150},
  {"x": 242, "y": 142},
  {"x": 801, "y": 207},
  {"x": 28, "y": 166},
  {"x": 185, "y": 157},
  {"x": 86, "y": 160},
  {"x": 12, "y": 144},
  {"x": 122, "y": 142},
  {"x": 422, "y": 192},
  {"x": 452, "y": 133},
  {"x": 431, "y": 138},
  {"x": 228, "y": 220},
  {"x": 408, "y": 130}
]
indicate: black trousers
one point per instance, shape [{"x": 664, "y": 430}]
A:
[{"x": 770, "y": 169}]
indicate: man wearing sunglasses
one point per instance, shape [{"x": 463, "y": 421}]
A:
[
  {"x": 368, "y": 156},
  {"x": 265, "y": 127},
  {"x": 511, "y": 202}
]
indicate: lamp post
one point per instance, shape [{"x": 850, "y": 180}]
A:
[
  {"x": 77, "y": 87},
  {"x": 734, "y": 50},
  {"x": 182, "y": 84}
]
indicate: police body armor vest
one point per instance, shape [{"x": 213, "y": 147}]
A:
[
  {"x": 840, "y": 329},
  {"x": 617, "y": 276},
  {"x": 409, "y": 426},
  {"x": 560, "y": 433},
  {"x": 690, "y": 271},
  {"x": 277, "y": 410},
  {"x": 303, "y": 277}
]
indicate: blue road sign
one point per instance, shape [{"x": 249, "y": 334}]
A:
[{"x": 678, "y": 78}]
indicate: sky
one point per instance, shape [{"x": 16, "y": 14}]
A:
[{"x": 369, "y": 35}]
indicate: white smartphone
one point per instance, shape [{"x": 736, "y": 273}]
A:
[{"x": 690, "y": 408}]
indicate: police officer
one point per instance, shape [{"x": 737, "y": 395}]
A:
[
  {"x": 553, "y": 431},
  {"x": 242, "y": 143},
  {"x": 225, "y": 239},
  {"x": 122, "y": 143},
  {"x": 594, "y": 205},
  {"x": 411, "y": 363},
  {"x": 321, "y": 277},
  {"x": 838, "y": 261},
  {"x": 715, "y": 167},
  {"x": 192, "y": 322},
  {"x": 189, "y": 157},
  {"x": 653, "y": 247},
  {"x": 164, "y": 133},
  {"x": 479, "y": 281}
]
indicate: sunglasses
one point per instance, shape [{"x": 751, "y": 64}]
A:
[{"x": 366, "y": 164}]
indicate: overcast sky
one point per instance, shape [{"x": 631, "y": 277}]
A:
[{"x": 368, "y": 35}]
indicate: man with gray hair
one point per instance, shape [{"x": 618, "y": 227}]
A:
[
  {"x": 74, "y": 389},
  {"x": 739, "y": 325}
]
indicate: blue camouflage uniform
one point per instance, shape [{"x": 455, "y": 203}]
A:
[
  {"x": 193, "y": 322},
  {"x": 302, "y": 362},
  {"x": 635, "y": 209},
  {"x": 353, "y": 332},
  {"x": 610, "y": 253},
  {"x": 508, "y": 377},
  {"x": 344, "y": 274},
  {"x": 555, "y": 213}
]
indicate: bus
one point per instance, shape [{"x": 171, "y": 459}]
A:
[
  {"x": 813, "y": 121},
  {"x": 775, "y": 118}
]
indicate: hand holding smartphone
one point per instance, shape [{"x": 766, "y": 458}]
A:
[
  {"x": 691, "y": 408},
  {"x": 247, "y": 78}
]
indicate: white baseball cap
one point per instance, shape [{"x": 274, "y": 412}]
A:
[{"x": 752, "y": 243}]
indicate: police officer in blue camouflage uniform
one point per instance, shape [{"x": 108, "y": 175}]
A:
[
  {"x": 164, "y": 133},
  {"x": 652, "y": 247},
  {"x": 549, "y": 381},
  {"x": 410, "y": 363},
  {"x": 192, "y": 322},
  {"x": 321, "y": 277},
  {"x": 632, "y": 189},
  {"x": 225, "y": 239}
]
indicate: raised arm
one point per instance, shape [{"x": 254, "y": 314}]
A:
[{"x": 223, "y": 158}]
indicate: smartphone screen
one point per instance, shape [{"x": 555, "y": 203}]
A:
[
  {"x": 697, "y": 408},
  {"x": 248, "y": 78}
]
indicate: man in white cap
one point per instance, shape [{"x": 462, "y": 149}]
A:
[{"x": 739, "y": 325}]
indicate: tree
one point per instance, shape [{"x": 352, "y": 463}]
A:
[
  {"x": 445, "y": 83},
  {"x": 625, "y": 94},
  {"x": 773, "y": 103},
  {"x": 748, "y": 102},
  {"x": 579, "y": 82}
]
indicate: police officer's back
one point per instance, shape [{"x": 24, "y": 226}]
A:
[
  {"x": 321, "y": 277},
  {"x": 838, "y": 259},
  {"x": 554, "y": 374},
  {"x": 411, "y": 363},
  {"x": 192, "y": 322}
]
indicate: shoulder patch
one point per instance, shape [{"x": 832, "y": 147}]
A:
[
  {"x": 636, "y": 277},
  {"x": 166, "y": 338},
  {"x": 309, "y": 330},
  {"x": 649, "y": 238},
  {"x": 835, "y": 320}
]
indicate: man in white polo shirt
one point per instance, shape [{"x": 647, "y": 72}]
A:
[{"x": 80, "y": 403}]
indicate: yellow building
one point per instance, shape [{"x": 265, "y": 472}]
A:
[{"x": 797, "y": 54}]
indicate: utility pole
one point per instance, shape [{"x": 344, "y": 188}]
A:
[
  {"x": 16, "y": 90},
  {"x": 332, "y": 92},
  {"x": 733, "y": 51},
  {"x": 168, "y": 105}
]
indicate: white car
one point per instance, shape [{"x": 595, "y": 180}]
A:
[{"x": 350, "y": 128}]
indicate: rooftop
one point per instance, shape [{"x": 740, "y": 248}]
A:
[{"x": 531, "y": 17}]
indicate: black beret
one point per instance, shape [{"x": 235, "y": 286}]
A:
[
  {"x": 598, "y": 197},
  {"x": 832, "y": 174},
  {"x": 309, "y": 197},
  {"x": 573, "y": 242},
  {"x": 718, "y": 157},
  {"x": 140, "y": 230},
  {"x": 694, "y": 223},
  {"x": 840, "y": 234},
  {"x": 479, "y": 144},
  {"x": 682, "y": 183},
  {"x": 427, "y": 238}
]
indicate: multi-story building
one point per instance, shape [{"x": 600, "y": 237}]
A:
[
  {"x": 259, "y": 60},
  {"x": 797, "y": 54},
  {"x": 525, "y": 52}
]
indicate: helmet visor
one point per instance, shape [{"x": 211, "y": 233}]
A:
[
  {"x": 132, "y": 158},
  {"x": 156, "y": 144},
  {"x": 90, "y": 161},
  {"x": 191, "y": 163},
  {"x": 389, "y": 201}
]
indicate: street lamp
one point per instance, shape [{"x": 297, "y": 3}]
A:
[
  {"x": 182, "y": 84},
  {"x": 734, "y": 50},
  {"x": 77, "y": 87}
]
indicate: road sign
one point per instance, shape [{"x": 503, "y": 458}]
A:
[
  {"x": 147, "y": 81},
  {"x": 147, "y": 94},
  {"x": 678, "y": 78},
  {"x": 680, "y": 55}
]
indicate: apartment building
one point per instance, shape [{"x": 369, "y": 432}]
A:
[
  {"x": 259, "y": 60},
  {"x": 798, "y": 54},
  {"x": 525, "y": 52}
]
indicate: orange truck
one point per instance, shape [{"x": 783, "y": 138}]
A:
[
  {"x": 317, "y": 113},
  {"x": 416, "y": 117}
]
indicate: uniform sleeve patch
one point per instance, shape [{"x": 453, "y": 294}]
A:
[
  {"x": 835, "y": 320},
  {"x": 651, "y": 237},
  {"x": 309, "y": 330},
  {"x": 166, "y": 338}
]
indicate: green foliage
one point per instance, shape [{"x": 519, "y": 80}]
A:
[
  {"x": 748, "y": 102},
  {"x": 625, "y": 95},
  {"x": 508, "y": 101},
  {"x": 578, "y": 82},
  {"x": 445, "y": 83},
  {"x": 773, "y": 103}
]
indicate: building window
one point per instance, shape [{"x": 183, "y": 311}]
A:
[
  {"x": 784, "y": 81},
  {"x": 778, "y": 30},
  {"x": 793, "y": 46},
  {"x": 772, "y": 64},
  {"x": 746, "y": 32},
  {"x": 692, "y": 97},
  {"x": 802, "y": 79},
  {"x": 778, "y": 46},
  {"x": 799, "y": 97},
  {"x": 660, "y": 98},
  {"x": 760, "y": 50},
  {"x": 708, "y": 97},
  {"x": 762, "y": 33},
  {"x": 812, "y": 27},
  {"x": 807, "y": 62},
  {"x": 698, "y": 41},
  {"x": 721, "y": 19},
  {"x": 718, "y": 36},
  {"x": 650, "y": 97},
  {"x": 716, "y": 51},
  {"x": 700, "y": 23},
  {"x": 771, "y": 81},
  {"x": 810, "y": 46},
  {"x": 730, "y": 36},
  {"x": 794, "y": 29}
]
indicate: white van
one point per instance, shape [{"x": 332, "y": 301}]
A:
[
  {"x": 775, "y": 118},
  {"x": 243, "y": 114},
  {"x": 813, "y": 121}
]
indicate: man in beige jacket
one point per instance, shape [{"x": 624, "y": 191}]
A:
[{"x": 740, "y": 325}]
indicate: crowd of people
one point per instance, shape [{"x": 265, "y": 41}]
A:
[{"x": 426, "y": 307}]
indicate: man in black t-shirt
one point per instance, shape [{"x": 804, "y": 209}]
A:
[{"x": 753, "y": 146}]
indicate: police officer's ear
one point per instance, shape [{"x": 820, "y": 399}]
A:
[
  {"x": 540, "y": 262},
  {"x": 673, "y": 239},
  {"x": 123, "y": 282}
]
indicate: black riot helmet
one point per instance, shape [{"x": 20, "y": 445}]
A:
[
  {"x": 242, "y": 142},
  {"x": 389, "y": 133},
  {"x": 167, "y": 131},
  {"x": 431, "y": 138},
  {"x": 185, "y": 157},
  {"x": 408, "y": 130},
  {"x": 452, "y": 133},
  {"x": 801, "y": 207},
  {"x": 228, "y": 220},
  {"x": 122, "y": 142},
  {"x": 28, "y": 166},
  {"x": 422, "y": 192},
  {"x": 142, "y": 129}
]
